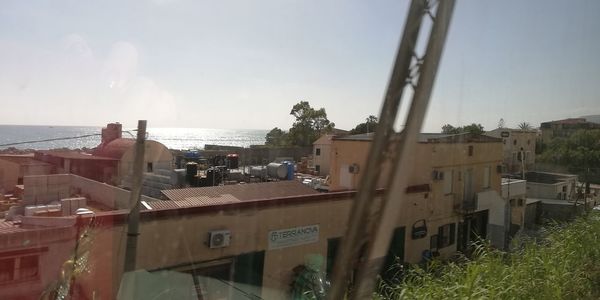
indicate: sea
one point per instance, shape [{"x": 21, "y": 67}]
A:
[{"x": 173, "y": 138}]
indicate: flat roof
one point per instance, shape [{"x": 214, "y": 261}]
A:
[
  {"x": 71, "y": 154},
  {"x": 512, "y": 181},
  {"x": 428, "y": 138},
  {"x": 24, "y": 160},
  {"x": 217, "y": 195},
  {"x": 553, "y": 201}
]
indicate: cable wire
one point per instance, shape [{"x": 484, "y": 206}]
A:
[
  {"x": 49, "y": 140},
  {"x": 60, "y": 139}
]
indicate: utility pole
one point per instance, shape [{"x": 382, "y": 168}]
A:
[
  {"x": 134, "y": 200},
  {"x": 373, "y": 219}
]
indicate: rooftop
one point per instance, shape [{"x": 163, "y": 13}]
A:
[
  {"x": 429, "y": 138},
  {"x": 23, "y": 160},
  {"x": 115, "y": 148},
  {"x": 71, "y": 154},
  {"x": 547, "y": 177},
  {"x": 216, "y": 195}
]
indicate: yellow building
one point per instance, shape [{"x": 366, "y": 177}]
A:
[
  {"x": 250, "y": 240},
  {"x": 518, "y": 148},
  {"x": 455, "y": 180}
]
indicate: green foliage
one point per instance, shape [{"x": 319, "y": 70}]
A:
[
  {"x": 473, "y": 128},
  {"x": 309, "y": 125},
  {"x": 580, "y": 152},
  {"x": 525, "y": 126},
  {"x": 370, "y": 125},
  {"x": 562, "y": 265},
  {"x": 277, "y": 137}
]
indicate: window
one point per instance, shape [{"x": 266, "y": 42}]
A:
[
  {"x": 446, "y": 235},
  {"x": 317, "y": 151},
  {"x": 487, "y": 171},
  {"x": 448, "y": 182},
  {"x": 470, "y": 150},
  {"x": 28, "y": 267},
  {"x": 318, "y": 168},
  {"x": 149, "y": 167},
  {"x": 515, "y": 142},
  {"x": 7, "y": 270},
  {"x": 19, "y": 268}
]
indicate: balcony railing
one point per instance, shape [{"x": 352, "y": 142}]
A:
[{"x": 465, "y": 205}]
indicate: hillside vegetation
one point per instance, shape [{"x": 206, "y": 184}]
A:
[{"x": 564, "y": 264}]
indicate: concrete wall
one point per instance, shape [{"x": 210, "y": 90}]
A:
[
  {"x": 560, "y": 212},
  {"x": 512, "y": 144},
  {"x": 9, "y": 175},
  {"x": 181, "y": 240},
  {"x": 10, "y": 172},
  {"x": 323, "y": 160},
  {"x": 548, "y": 191},
  {"x": 515, "y": 189},
  {"x": 44, "y": 189},
  {"x": 497, "y": 216},
  {"x": 258, "y": 155},
  {"x": 155, "y": 153}
]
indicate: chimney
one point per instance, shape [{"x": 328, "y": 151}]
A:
[{"x": 111, "y": 132}]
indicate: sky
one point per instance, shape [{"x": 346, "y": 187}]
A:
[{"x": 244, "y": 64}]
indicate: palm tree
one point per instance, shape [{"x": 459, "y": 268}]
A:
[{"x": 525, "y": 126}]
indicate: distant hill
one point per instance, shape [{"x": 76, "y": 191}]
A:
[{"x": 592, "y": 118}]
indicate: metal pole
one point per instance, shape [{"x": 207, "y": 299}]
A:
[
  {"x": 364, "y": 202},
  {"x": 383, "y": 222},
  {"x": 134, "y": 200}
]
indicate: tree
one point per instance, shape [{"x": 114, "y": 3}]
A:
[
  {"x": 501, "y": 123},
  {"x": 310, "y": 123},
  {"x": 449, "y": 129},
  {"x": 276, "y": 137},
  {"x": 473, "y": 128},
  {"x": 580, "y": 153},
  {"x": 525, "y": 126},
  {"x": 370, "y": 125}
]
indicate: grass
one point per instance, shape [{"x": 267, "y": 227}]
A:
[{"x": 563, "y": 264}]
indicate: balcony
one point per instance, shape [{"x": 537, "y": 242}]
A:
[{"x": 465, "y": 205}]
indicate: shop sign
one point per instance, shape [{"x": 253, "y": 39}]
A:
[{"x": 296, "y": 236}]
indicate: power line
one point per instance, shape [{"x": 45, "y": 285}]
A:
[
  {"x": 50, "y": 140},
  {"x": 59, "y": 139}
]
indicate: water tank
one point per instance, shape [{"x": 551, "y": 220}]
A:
[
  {"x": 191, "y": 173},
  {"x": 213, "y": 176},
  {"x": 232, "y": 161},
  {"x": 258, "y": 172},
  {"x": 277, "y": 170},
  {"x": 290, "y": 171},
  {"x": 191, "y": 169}
]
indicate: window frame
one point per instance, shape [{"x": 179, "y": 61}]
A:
[{"x": 449, "y": 239}]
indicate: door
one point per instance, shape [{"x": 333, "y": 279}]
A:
[
  {"x": 345, "y": 178},
  {"x": 395, "y": 256}
]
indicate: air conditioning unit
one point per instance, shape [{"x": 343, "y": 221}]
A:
[
  {"x": 353, "y": 168},
  {"x": 219, "y": 238}
]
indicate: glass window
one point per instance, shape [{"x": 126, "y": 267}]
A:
[
  {"x": 318, "y": 151},
  {"x": 448, "y": 184},
  {"x": 28, "y": 267},
  {"x": 446, "y": 235},
  {"x": 487, "y": 172},
  {"x": 7, "y": 269}
]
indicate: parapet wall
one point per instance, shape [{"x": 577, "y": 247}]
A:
[{"x": 43, "y": 189}]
